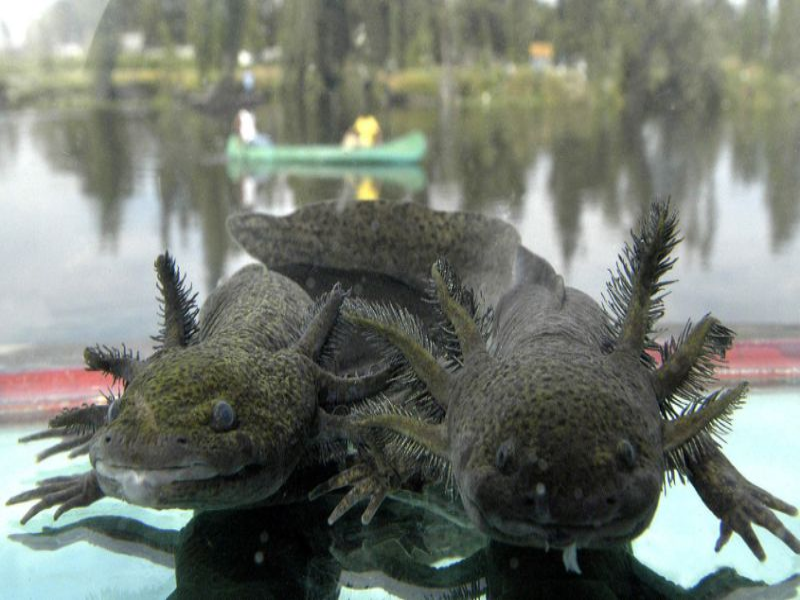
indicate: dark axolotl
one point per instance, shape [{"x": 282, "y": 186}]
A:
[
  {"x": 221, "y": 413},
  {"x": 556, "y": 425}
]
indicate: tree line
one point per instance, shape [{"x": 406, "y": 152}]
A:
[{"x": 651, "y": 49}]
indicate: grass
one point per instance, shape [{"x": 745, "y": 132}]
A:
[{"x": 25, "y": 82}]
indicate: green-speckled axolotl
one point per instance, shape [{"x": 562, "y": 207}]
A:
[
  {"x": 559, "y": 430},
  {"x": 224, "y": 409}
]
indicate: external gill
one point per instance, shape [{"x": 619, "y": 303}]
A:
[
  {"x": 681, "y": 382},
  {"x": 687, "y": 437},
  {"x": 688, "y": 364},
  {"x": 122, "y": 365},
  {"x": 634, "y": 298},
  {"x": 402, "y": 339},
  {"x": 411, "y": 436},
  {"x": 178, "y": 306},
  {"x": 446, "y": 287},
  {"x": 76, "y": 427}
]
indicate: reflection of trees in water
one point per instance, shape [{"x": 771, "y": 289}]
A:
[
  {"x": 494, "y": 150},
  {"x": 598, "y": 160},
  {"x": 9, "y": 140},
  {"x": 625, "y": 163},
  {"x": 684, "y": 161},
  {"x": 783, "y": 175},
  {"x": 618, "y": 163},
  {"x": 102, "y": 147},
  {"x": 747, "y": 159},
  {"x": 95, "y": 146},
  {"x": 191, "y": 188},
  {"x": 765, "y": 148},
  {"x": 585, "y": 169}
]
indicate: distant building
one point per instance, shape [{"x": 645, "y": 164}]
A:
[
  {"x": 541, "y": 55},
  {"x": 132, "y": 42},
  {"x": 69, "y": 50}
]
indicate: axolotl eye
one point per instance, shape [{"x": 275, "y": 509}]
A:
[
  {"x": 223, "y": 417},
  {"x": 504, "y": 457},
  {"x": 626, "y": 454}
]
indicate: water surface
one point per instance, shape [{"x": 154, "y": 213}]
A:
[{"x": 89, "y": 198}]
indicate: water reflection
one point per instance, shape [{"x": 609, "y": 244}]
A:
[
  {"x": 164, "y": 171},
  {"x": 9, "y": 141},
  {"x": 97, "y": 146},
  {"x": 782, "y": 175},
  {"x": 289, "y": 551}
]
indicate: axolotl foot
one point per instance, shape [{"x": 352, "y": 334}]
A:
[
  {"x": 739, "y": 504},
  {"x": 367, "y": 481},
  {"x": 67, "y": 491}
]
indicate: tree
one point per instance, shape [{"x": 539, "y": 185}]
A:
[
  {"x": 754, "y": 29},
  {"x": 785, "y": 51}
]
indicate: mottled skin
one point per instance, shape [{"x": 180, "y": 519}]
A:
[
  {"x": 560, "y": 432},
  {"x": 552, "y": 469},
  {"x": 400, "y": 241},
  {"x": 244, "y": 355},
  {"x": 221, "y": 414},
  {"x": 380, "y": 251}
]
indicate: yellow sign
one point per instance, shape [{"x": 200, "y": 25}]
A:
[{"x": 541, "y": 50}]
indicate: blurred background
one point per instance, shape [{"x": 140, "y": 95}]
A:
[{"x": 564, "y": 117}]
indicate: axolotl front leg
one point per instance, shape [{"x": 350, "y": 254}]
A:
[
  {"x": 733, "y": 499},
  {"x": 738, "y": 503}
]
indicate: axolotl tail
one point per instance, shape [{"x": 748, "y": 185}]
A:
[{"x": 379, "y": 248}]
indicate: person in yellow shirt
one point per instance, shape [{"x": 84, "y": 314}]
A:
[
  {"x": 368, "y": 131},
  {"x": 365, "y": 133}
]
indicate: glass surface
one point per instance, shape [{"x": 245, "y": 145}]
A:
[
  {"x": 679, "y": 544},
  {"x": 564, "y": 118}
]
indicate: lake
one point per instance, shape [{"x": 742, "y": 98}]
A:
[{"x": 89, "y": 198}]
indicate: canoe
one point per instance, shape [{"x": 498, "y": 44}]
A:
[
  {"x": 410, "y": 177},
  {"x": 410, "y": 148}
]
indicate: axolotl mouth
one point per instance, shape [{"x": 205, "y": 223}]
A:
[
  {"x": 536, "y": 519},
  {"x": 195, "y": 485},
  {"x": 169, "y": 472}
]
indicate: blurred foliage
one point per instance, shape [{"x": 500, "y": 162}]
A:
[{"x": 656, "y": 55}]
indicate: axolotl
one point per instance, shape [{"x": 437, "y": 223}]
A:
[
  {"x": 549, "y": 414},
  {"x": 221, "y": 413}
]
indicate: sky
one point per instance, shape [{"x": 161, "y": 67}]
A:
[{"x": 21, "y": 14}]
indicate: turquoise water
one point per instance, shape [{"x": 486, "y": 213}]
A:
[{"x": 679, "y": 545}]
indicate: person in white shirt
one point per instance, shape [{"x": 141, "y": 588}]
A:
[{"x": 245, "y": 126}]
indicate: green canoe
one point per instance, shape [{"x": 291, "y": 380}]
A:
[
  {"x": 407, "y": 176},
  {"x": 407, "y": 149}
]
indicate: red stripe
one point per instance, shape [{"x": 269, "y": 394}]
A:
[
  {"x": 71, "y": 381},
  {"x": 33, "y": 394},
  {"x": 44, "y": 392}
]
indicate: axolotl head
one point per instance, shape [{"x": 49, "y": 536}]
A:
[
  {"x": 186, "y": 431},
  {"x": 559, "y": 451},
  {"x": 211, "y": 419}
]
